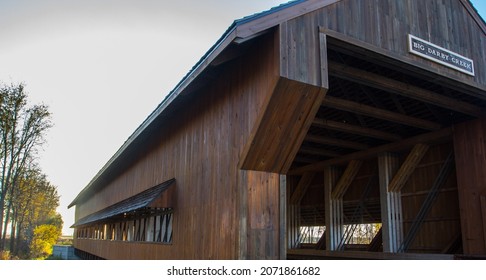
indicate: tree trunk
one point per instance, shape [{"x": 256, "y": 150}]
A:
[
  {"x": 5, "y": 226},
  {"x": 19, "y": 240},
  {"x": 2, "y": 208},
  {"x": 12, "y": 237}
]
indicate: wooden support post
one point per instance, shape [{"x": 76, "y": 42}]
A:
[
  {"x": 293, "y": 226},
  {"x": 334, "y": 210},
  {"x": 293, "y": 220},
  {"x": 391, "y": 206},
  {"x": 283, "y": 217}
]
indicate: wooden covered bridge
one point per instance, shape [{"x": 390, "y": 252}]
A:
[{"x": 317, "y": 129}]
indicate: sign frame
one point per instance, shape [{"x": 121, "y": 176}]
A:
[{"x": 440, "y": 55}]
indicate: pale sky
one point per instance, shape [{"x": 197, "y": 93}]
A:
[{"x": 102, "y": 66}]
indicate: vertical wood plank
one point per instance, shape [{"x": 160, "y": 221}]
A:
[
  {"x": 323, "y": 60},
  {"x": 283, "y": 217},
  {"x": 390, "y": 204},
  {"x": 483, "y": 214},
  {"x": 470, "y": 156},
  {"x": 333, "y": 210}
]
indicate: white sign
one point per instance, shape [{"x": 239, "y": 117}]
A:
[{"x": 440, "y": 55}]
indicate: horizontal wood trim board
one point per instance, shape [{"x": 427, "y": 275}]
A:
[{"x": 367, "y": 255}]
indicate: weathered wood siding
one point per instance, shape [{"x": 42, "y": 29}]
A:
[
  {"x": 442, "y": 223},
  {"x": 200, "y": 145},
  {"x": 470, "y": 151},
  {"x": 385, "y": 24}
]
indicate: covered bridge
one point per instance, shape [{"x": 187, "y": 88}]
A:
[{"x": 317, "y": 129}]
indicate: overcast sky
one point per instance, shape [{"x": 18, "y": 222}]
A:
[{"x": 102, "y": 66}]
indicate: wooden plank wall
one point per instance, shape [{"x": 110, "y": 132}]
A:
[
  {"x": 442, "y": 224},
  {"x": 386, "y": 25},
  {"x": 470, "y": 152},
  {"x": 263, "y": 215},
  {"x": 200, "y": 146}
]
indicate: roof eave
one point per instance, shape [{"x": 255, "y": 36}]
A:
[
  {"x": 226, "y": 39},
  {"x": 241, "y": 30}
]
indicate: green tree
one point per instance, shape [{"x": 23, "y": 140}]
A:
[
  {"x": 22, "y": 132},
  {"x": 34, "y": 203},
  {"x": 45, "y": 236}
]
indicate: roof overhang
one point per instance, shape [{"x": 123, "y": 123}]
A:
[
  {"x": 239, "y": 32},
  {"x": 159, "y": 196}
]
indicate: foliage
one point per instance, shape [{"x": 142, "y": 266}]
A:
[
  {"x": 27, "y": 198},
  {"x": 4, "y": 255},
  {"x": 45, "y": 236}
]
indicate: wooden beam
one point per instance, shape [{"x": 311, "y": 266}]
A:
[
  {"x": 346, "y": 179},
  {"x": 335, "y": 142},
  {"x": 355, "y": 129},
  {"x": 323, "y": 60},
  {"x": 376, "y": 243},
  {"x": 372, "y": 152},
  {"x": 318, "y": 152},
  {"x": 304, "y": 159},
  {"x": 362, "y": 109},
  {"x": 360, "y": 255},
  {"x": 408, "y": 167},
  {"x": 392, "y": 60},
  {"x": 380, "y": 82},
  {"x": 391, "y": 204},
  {"x": 276, "y": 136},
  {"x": 283, "y": 217},
  {"x": 333, "y": 210},
  {"x": 446, "y": 169},
  {"x": 301, "y": 188}
]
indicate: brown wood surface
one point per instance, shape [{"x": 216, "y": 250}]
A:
[
  {"x": 362, "y": 109},
  {"x": 346, "y": 179},
  {"x": 470, "y": 153},
  {"x": 408, "y": 167},
  {"x": 405, "y": 89},
  {"x": 276, "y": 139},
  {"x": 354, "y": 129},
  {"x": 386, "y": 25},
  {"x": 200, "y": 145},
  {"x": 301, "y": 188},
  {"x": 435, "y": 136},
  {"x": 255, "y": 113}
]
